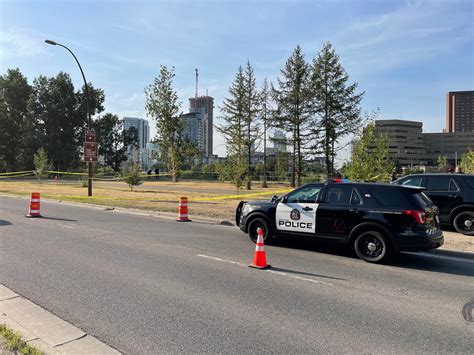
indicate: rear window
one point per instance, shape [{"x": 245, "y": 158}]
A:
[
  {"x": 423, "y": 200},
  {"x": 391, "y": 197},
  {"x": 470, "y": 181}
]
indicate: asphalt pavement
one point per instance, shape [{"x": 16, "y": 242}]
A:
[{"x": 146, "y": 285}]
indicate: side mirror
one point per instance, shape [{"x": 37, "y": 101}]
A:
[{"x": 274, "y": 198}]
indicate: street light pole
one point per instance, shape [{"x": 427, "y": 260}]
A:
[{"x": 89, "y": 121}]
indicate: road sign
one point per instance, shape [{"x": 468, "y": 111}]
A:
[
  {"x": 90, "y": 136},
  {"x": 90, "y": 151}
]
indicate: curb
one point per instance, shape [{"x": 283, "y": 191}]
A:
[
  {"x": 45, "y": 331},
  {"x": 159, "y": 214}
]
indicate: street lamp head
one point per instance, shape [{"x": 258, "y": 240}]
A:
[{"x": 50, "y": 42}]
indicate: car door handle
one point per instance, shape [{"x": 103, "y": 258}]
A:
[
  {"x": 452, "y": 196},
  {"x": 353, "y": 210},
  {"x": 307, "y": 209}
]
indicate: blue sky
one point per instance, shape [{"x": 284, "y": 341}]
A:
[{"x": 405, "y": 55}]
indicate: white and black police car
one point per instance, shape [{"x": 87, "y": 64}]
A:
[{"x": 376, "y": 220}]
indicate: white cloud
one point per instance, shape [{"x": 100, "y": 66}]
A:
[{"x": 16, "y": 43}]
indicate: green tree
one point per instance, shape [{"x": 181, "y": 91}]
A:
[
  {"x": 163, "y": 106},
  {"x": 370, "y": 157},
  {"x": 111, "y": 140},
  {"x": 292, "y": 97},
  {"x": 131, "y": 174},
  {"x": 251, "y": 109},
  {"x": 282, "y": 166},
  {"x": 14, "y": 121},
  {"x": 234, "y": 127},
  {"x": 60, "y": 117},
  {"x": 467, "y": 162},
  {"x": 336, "y": 105},
  {"x": 442, "y": 163},
  {"x": 265, "y": 114},
  {"x": 42, "y": 164}
]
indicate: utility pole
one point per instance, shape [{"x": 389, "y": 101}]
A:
[{"x": 90, "y": 136}]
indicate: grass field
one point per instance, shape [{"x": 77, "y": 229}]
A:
[{"x": 210, "y": 199}]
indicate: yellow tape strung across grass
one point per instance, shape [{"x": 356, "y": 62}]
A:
[
  {"x": 15, "y": 176},
  {"x": 241, "y": 196},
  {"x": 151, "y": 199},
  {"x": 17, "y": 172}
]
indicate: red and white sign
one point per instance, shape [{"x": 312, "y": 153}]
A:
[
  {"x": 91, "y": 151},
  {"x": 90, "y": 136}
]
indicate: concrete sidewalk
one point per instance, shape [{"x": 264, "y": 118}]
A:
[{"x": 44, "y": 330}]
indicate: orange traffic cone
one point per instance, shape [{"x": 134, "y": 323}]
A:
[
  {"x": 34, "y": 205},
  {"x": 183, "y": 210},
  {"x": 260, "y": 258}
]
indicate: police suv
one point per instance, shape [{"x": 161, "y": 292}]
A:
[{"x": 377, "y": 220}]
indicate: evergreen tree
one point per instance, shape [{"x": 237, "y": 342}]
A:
[
  {"x": 251, "y": 108},
  {"x": 265, "y": 114},
  {"x": 42, "y": 164},
  {"x": 163, "y": 106},
  {"x": 336, "y": 105},
  {"x": 234, "y": 127},
  {"x": 14, "y": 94},
  {"x": 292, "y": 97}
]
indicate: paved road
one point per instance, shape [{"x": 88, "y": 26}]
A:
[{"x": 148, "y": 285}]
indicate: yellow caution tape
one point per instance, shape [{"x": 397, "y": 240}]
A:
[
  {"x": 16, "y": 172},
  {"x": 15, "y": 176},
  {"x": 241, "y": 196}
]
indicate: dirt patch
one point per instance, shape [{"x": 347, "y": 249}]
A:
[{"x": 458, "y": 242}]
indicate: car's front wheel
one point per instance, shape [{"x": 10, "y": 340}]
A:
[
  {"x": 257, "y": 223},
  {"x": 464, "y": 223},
  {"x": 373, "y": 247}
]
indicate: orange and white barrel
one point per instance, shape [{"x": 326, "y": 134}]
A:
[
  {"x": 183, "y": 210},
  {"x": 34, "y": 210}
]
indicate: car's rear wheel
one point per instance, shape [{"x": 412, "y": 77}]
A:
[
  {"x": 257, "y": 223},
  {"x": 464, "y": 223},
  {"x": 373, "y": 247}
]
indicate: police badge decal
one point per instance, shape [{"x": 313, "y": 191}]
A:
[{"x": 295, "y": 214}]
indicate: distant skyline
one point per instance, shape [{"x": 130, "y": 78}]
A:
[{"x": 405, "y": 55}]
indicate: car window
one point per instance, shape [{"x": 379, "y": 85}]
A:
[
  {"x": 470, "y": 181},
  {"x": 391, "y": 197},
  {"x": 453, "y": 186},
  {"x": 413, "y": 181},
  {"x": 438, "y": 183},
  {"x": 338, "y": 194},
  {"x": 355, "y": 199},
  {"x": 307, "y": 194},
  {"x": 423, "y": 200}
]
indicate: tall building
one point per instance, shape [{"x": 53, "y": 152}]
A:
[
  {"x": 194, "y": 129},
  {"x": 199, "y": 125},
  {"x": 405, "y": 140},
  {"x": 141, "y": 155},
  {"x": 450, "y": 145},
  {"x": 280, "y": 142},
  {"x": 460, "y": 111}
]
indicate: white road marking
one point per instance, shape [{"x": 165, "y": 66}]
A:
[
  {"x": 67, "y": 226},
  {"x": 267, "y": 270}
]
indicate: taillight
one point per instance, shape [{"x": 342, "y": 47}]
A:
[{"x": 420, "y": 216}]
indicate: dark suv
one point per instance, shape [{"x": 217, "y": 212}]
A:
[
  {"x": 375, "y": 219},
  {"x": 452, "y": 193}
]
